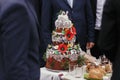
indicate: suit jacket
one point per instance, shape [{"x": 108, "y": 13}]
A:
[
  {"x": 94, "y": 5},
  {"x": 109, "y": 39},
  {"x": 19, "y": 41},
  {"x": 37, "y": 5},
  {"x": 81, "y": 16}
]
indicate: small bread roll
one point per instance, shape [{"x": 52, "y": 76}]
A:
[
  {"x": 90, "y": 66},
  {"x": 101, "y": 69},
  {"x": 95, "y": 74}
]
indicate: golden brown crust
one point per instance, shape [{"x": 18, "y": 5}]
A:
[{"x": 95, "y": 74}]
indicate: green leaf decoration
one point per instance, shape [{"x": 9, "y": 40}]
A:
[
  {"x": 44, "y": 57},
  {"x": 52, "y": 64},
  {"x": 76, "y": 47},
  {"x": 81, "y": 60},
  {"x": 56, "y": 52},
  {"x": 63, "y": 32},
  {"x": 65, "y": 64},
  {"x": 86, "y": 75},
  {"x": 49, "y": 46},
  {"x": 59, "y": 12},
  {"x": 69, "y": 49}
]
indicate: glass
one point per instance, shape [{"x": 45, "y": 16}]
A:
[
  {"x": 79, "y": 72},
  {"x": 72, "y": 69}
]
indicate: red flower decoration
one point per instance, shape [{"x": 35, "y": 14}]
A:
[
  {"x": 69, "y": 35},
  {"x": 62, "y": 48},
  {"x": 73, "y": 30}
]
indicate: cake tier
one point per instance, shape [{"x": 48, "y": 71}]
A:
[
  {"x": 63, "y": 49},
  {"x": 57, "y": 60},
  {"x": 53, "y": 64},
  {"x": 63, "y": 37}
]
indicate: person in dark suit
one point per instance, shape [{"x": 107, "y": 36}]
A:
[
  {"x": 97, "y": 7},
  {"x": 95, "y": 51},
  {"x": 19, "y": 41},
  {"x": 109, "y": 39},
  {"x": 80, "y": 13}
]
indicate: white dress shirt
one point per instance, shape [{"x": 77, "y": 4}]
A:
[
  {"x": 99, "y": 11},
  {"x": 70, "y": 2}
]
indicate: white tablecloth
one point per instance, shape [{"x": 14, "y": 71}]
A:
[{"x": 56, "y": 75}]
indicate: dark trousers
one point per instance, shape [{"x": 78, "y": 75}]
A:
[{"x": 95, "y": 51}]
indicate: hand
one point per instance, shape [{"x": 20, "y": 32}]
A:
[{"x": 90, "y": 45}]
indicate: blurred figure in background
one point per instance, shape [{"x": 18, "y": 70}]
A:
[
  {"x": 19, "y": 41},
  {"x": 99, "y": 4},
  {"x": 109, "y": 39}
]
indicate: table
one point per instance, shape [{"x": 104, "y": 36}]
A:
[{"x": 47, "y": 74}]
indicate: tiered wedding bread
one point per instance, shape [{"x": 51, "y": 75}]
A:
[{"x": 63, "y": 50}]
